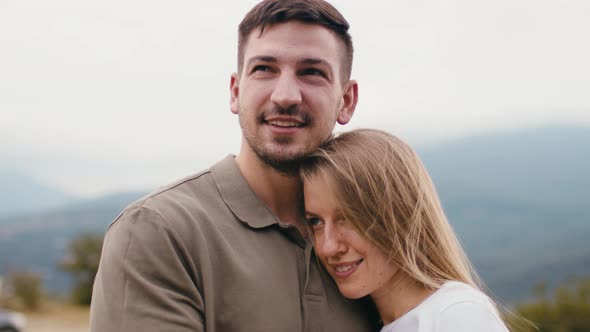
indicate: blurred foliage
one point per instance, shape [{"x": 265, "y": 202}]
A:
[
  {"x": 23, "y": 291},
  {"x": 566, "y": 310},
  {"x": 81, "y": 262}
]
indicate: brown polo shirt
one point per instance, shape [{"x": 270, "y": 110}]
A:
[{"x": 205, "y": 254}]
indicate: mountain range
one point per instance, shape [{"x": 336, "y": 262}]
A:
[
  {"x": 518, "y": 201},
  {"x": 22, "y": 194}
]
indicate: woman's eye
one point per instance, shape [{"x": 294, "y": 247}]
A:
[
  {"x": 314, "y": 222},
  {"x": 344, "y": 222}
]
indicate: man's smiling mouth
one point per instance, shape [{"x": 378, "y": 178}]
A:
[{"x": 285, "y": 124}]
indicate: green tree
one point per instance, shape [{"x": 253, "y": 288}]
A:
[
  {"x": 568, "y": 310},
  {"x": 26, "y": 289},
  {"x": 81, "y": 263}
]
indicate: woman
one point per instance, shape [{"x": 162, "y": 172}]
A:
[{"x": 379, "y": 229}]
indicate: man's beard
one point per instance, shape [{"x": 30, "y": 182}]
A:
[
  {"x": 288, "y": 166},
  {"x": 286, "y": 163}
]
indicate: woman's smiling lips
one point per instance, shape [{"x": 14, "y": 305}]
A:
[{"x": 343, "y": 270}]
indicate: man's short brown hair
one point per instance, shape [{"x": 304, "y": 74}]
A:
[{"x": 270, "y": 12}]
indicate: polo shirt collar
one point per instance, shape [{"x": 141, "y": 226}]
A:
[{"x": 238, "y": 195}]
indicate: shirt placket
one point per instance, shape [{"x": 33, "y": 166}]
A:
[{"x": 314, "y": 295}]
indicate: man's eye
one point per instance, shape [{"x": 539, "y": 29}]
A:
[
  {"x": 313, "y": 71},
  {"x": 262, "y": 68}
]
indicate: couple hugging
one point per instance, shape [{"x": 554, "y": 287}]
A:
[{"x": 302, "y": 230}]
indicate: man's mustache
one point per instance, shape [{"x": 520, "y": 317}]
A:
[{"x": 292, "y": 111}]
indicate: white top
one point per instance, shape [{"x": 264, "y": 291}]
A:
[{"x": 455, "y": 307}]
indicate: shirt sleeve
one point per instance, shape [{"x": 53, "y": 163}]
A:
[
  {"x": 146, "y": 281},
  {"x": 470, "y": 316}
]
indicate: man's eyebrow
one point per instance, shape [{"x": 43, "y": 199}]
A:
[
  {"x": 262, "y": 58},
  {"x": 315, "y": 61}
]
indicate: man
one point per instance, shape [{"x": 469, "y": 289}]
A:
[{"x": 224, "y": 250}]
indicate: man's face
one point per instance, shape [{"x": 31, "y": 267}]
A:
[{"x": 290, "y": 94}]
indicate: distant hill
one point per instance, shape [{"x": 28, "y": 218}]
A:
[
  {"x": 519, "y": 202},
  {"x": 21, "y": 194},
  {"x": 38, "y": 241},
  {"x": 541, "y": 166}
]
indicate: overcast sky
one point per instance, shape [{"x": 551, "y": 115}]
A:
[{"x": 98, "y": 96}]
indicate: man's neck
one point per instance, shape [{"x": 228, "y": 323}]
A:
[{"x": 282, "y": 193}]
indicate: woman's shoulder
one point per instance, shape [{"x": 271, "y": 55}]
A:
[
  {"x": 455, "y": 292},
  {"x": 460, "y": 307},
  {"x": 456, "y": 307}
]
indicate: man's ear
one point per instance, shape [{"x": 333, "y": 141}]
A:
[
  {"x": 234, "y": 90},
  {"x": 349, "y": 100}
]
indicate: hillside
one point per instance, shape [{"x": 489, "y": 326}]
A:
[
  {"x": 38, "y": 241},
  {"x": 517, "y": 200},
  {"x": 519, "y": 203},
  {"x": 21, "y": 194}
]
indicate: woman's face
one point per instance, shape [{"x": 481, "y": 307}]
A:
[{"x": 357, "y": 266}]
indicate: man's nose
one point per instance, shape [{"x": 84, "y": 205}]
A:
[{"x": 286, "y": 92}]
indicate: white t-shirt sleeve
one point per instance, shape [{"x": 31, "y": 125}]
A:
[{"x": 470, "y": 316}]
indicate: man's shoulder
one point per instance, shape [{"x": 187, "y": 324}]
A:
[
  {"x": 178, "y": 192},
  {"x": 193, "y": 197},
  {"x": 186, "y": 191}
]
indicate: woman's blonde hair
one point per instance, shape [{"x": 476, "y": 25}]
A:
[{"x": 385, "y": 192}]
